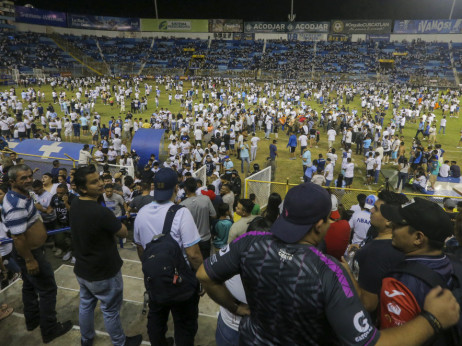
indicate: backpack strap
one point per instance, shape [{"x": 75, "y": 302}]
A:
[
  {"x": 169, "y": 218},
  {"x": 422, "y": 272}
]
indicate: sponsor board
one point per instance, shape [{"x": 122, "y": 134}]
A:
[
  {"x": 431, "y": 26},
  {"x": 278, "y": 27},
  {"x": 174, "y": 25},
  {"x": 41, "y": 17},
  {"x": 361, "y": 26}
]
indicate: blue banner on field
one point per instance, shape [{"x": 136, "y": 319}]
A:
[
  {"x": 41, "y": 17},
  {"x": 430, "y": 26},
  {"x": 82, "y": 21}
]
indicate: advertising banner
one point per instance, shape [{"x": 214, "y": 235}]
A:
[
  {"x": 175, "y": 25},
  {"x": 82, "y": 21},
  {"x": 226, "y": 25},
  {"x": 279, "y": 27},
  {"x": 385, "y": 38},
  {"x": 361, "y": 26},
  {"x": 432, "y": 26},
  {"x": 311, "y": 37},
  {"x": 243, "y": 36},
  {"x": 40, "y": 17},
  {"x": 339, "y": 37}
]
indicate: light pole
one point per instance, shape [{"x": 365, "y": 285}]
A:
[
  {"x": 155, "y": 8},
  {"x": 452, "y": 9},
  {"x": 292, "y": 15}
]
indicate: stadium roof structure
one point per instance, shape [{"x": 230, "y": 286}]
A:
[{"x": 260, "y": 10}]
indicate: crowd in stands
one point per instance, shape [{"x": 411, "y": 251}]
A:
[{"x": 416, "y": 58}]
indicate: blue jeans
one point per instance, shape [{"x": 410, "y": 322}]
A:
[
  {"x": 402, "y": 178},
  {"x": 110, "y": 293},
  {"x": 328, "y": 182},
  {"x": 376, "y": 176},
  {"x": 224, "y": 335},
  {"x": 247, "y": 162}
]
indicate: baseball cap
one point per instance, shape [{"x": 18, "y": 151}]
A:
[
  {"x": 421, "y": 214},
  {"x": 334, "y": 215},
  {"x": 165, "y": 181},
  {"x": 304, "y": 205},
  {"x": 449, "y": 203},
  {"x": 370, "y": 201},
  {"x": 226, "y": 157}
]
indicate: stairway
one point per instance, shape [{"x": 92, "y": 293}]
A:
[
  {"x": 98, "y": 67},
  {"x": 13, "y": 328}
]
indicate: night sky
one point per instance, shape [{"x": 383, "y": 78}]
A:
[{"x": 259, "y": 10}]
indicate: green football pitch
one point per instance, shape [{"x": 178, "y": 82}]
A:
[{"x": 287, "y": 170}]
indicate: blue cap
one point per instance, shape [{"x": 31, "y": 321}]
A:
[
  {"x": 304, "y": 205},
  {"x": 165, "y": 181},
  {"x": 370, "y": 201}
]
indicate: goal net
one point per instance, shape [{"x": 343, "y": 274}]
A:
[{"x": 259, "y": 184}]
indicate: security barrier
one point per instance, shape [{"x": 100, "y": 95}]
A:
[{"x": 346, "y": 197}]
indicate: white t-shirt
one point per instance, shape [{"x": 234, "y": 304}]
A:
[
  {"x": 331, "y": 135},
  {"x": 150, "y": 222},
  {"x": 254, "y": 141},
  {"x": 360, "y": 222},
  {"x": 329, "y": 171},
  {"x": 303, "y": 140},
  {"x": 349, "y": 170},
  {"x": 444, "y": 170},
  {"x": 378, "y": 162}
]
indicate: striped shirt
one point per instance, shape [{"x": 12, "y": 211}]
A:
[{"x": 19, "y": 212}]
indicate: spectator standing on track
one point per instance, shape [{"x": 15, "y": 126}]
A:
[
  {"x": 28, "y": 232},
  {"x": 98, "y": 263}
]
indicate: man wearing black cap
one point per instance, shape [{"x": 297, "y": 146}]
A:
[
  {"x": 149, "y": 223},
  {"x": 296, "y": 294},
  {"x": 420, "y": 228}
]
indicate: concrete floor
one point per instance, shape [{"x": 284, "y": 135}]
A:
[{"x": 13, "y": 330}]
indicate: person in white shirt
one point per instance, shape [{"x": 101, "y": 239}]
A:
[
  {"x": 117, "y": 143},
  {"x": 444, "y": 169},
  {"x": 360, "y": 221},
  {"x": 349, "y": 172},
  {"x": 331, "y": 137},
  {"x": 377, "y": 167},
  {"x": 84, "y": 156},
  {"x": 370, "y": 162},
  {"x": 253, "y": 147},
  {"x": 443, "y": 125},
  {"x": 303, "y": 139},
  {"x": 329, "y": 172}
]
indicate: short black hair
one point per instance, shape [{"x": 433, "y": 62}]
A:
[
  {"x": 392, "y": 198},
  {"x": 190, "y": 185},
  {"x": 80, "y": 177},
  {"x": 247, "y": 204},
  {"x": 37, "y": 183}
]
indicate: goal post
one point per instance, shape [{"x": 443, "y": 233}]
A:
[{"x": 259, "y": 184}]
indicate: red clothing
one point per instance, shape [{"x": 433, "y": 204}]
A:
[{"x": 337, "y": 238}]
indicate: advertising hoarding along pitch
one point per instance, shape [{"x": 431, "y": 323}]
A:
[
  {"x": 40, "y": 17},
  {"x": 291, "y": 27},
  {"x": 361, "y": 26},
  {"x": 431, "y": 26},
  {"x": 82, "y": 21},
  {"x": 226, "y": 25},
  {"x": 175, "y": 25}
]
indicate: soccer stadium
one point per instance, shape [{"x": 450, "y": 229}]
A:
[{"x": 228, "y": 174}]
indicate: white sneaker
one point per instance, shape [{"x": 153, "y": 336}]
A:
[
  {"x": 73, "y": 260},
  {"x": 67, "y": 256},
  {"x": 124, "y": 240}
]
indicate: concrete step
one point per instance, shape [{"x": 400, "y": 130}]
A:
[{"x": 13, "y": 329}]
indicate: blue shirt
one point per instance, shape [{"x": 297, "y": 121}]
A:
[
  {"x": 307, "y": 155},
  {"x": 309, "y": 171},
  {"x": 292, "y": 141},
  {"x": 273, "y": 150},
  {"x": 19, "y": 212}
]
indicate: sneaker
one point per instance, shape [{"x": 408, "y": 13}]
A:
[
  {"x": 134, "y": 340},
  {"x": 67, "y": 256},
  {"x": 59, "y": 253},
  {"x": 61, "y": 329},
  {"x": 73, "y": 260}
]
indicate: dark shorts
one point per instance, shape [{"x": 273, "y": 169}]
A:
[
  {"x": 348, "y": 181},
  {"x": 85, "y": 128},
  {"x": 77, "y": 133},
  {"x": 95, "y": 137},
  {"x": 370, "y": 172},
  {"x": 387, "y": 153},
  {"x": 6, "y": 133},
  {"x": 292, "y": 149},
  {"x": 22, "y": 134}
]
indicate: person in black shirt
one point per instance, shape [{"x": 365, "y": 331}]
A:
[
  {"x": 455, "y": 170},
  {"x": 298, "y": 296},
  {"x": 377, "y": 257},
  {"x": 98, "y": 262},
  {"x": 61, "y": 203}
]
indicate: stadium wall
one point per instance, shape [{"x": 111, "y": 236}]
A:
[{"x": 23, "y": 27}]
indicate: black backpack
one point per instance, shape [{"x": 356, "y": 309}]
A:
[
  {"x": 451, "y": 336},
  {"x": 167, "y": 277}
]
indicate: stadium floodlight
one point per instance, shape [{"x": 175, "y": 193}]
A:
[{"x": 452, "y": 9}]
